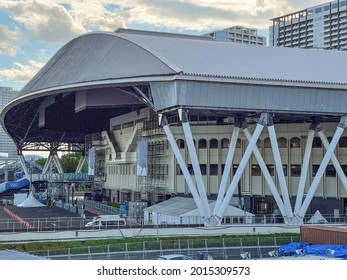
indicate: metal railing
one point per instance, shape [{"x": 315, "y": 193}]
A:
[
  {"x": 78, "y": 223},
  {"x": 218, "y": 248}
]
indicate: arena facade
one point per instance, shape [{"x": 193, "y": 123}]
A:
[{"x": 169, "y": 114}]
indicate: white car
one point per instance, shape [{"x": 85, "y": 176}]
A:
[{"x": 174, "y": 257}]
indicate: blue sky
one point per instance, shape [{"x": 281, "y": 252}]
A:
[{"x": 31, "y": 31}]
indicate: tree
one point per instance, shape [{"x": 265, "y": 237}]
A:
[{"x": 70, "y": 161}]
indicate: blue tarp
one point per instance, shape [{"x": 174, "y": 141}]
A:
[
  {"x": 303, "y": 248},
  {"x": 292, "y": 249}
]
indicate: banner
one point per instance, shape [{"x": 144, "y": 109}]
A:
[
  {"x": 91, "y": 161},
  {"x": 142, "y": 163}
]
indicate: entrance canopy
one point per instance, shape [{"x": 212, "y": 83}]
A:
[{"x": 101, "y": 75}]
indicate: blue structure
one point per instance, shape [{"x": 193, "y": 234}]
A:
[{"x": 15, "y": 185}]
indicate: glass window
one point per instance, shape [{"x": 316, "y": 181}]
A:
[
  {"x": 178, "y": 170},
  {"x": 203, "y": 169},
  {"x": 344, "y": 168},
  {"x": 285, "y": 169},
  {"x": 343, "y": 142},
  {"x": 235, "y": 166},
  {"x": 318, "y": 10},
  {"x": 295, "y": 142},
  {"x": 295, "y": 170},
  {"x": 238, "y": 143},
  {"x": 282, "y": 142},
  {"x": 259, "y": 143},
  {"x": 202, "y": 144},
  {"x": 317, "y": 143},
  {"x": 225, "y": 143},
  {"x": 314, "y": 169},
  {"x": 190, "y": 169},
  {"x": 180, "y": 143},
  {"x": 330, "y": 171},
  {"x": 213, "y": 143},
  {"x": 213, "y": 169},
  {"x": 271, "y": 169},
  {"x": 256, "y": 171}
]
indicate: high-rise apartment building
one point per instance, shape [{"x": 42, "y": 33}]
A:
[
  {"x": 6, "y": 143},
  {"x": 322, "y": 27},
  {"x": 238, "y": 34}
]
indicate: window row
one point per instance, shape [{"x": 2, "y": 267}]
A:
[
  {"x": 282, "y": 142},
  {"x": 295, "y": 170}
]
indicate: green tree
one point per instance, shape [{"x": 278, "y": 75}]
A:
[
  {"x": 70, "y": 161},
  {"x": 41, "y": 161}
]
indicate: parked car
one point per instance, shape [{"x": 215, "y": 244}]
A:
[
  {"x": 107, "y": 220},
  {"x": 174, "y": 257}
]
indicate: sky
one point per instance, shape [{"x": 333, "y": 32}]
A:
[{"x": 32, "y": 31}]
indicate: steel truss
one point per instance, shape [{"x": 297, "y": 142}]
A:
[{"x": 198, "y": 189}]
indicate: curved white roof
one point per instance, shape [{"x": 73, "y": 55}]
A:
[
  {"x": 102, "y": 75},
  {"x": 110, "y": 56}
]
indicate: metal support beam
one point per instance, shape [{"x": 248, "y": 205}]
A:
[
  {"x": 23, "y": 163},
  {"x": 227, "y": 168},
  {"x": 241, "y": 168},
  {"x": 195, "y": 163},
  {"x": 48, "y": 163},
  {"x": 339, "y": 130},
  {"x": 164, "y": 123},
  {"x": 334, "y": 160},
  {"x": 304, "y": 171},
  {"x": 267, "y": 175},
  {"x": 58, "y": 163},
  {"x": 80, "y": 164},
  {"x": 279, "y": 168}
]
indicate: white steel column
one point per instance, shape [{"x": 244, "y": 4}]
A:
[
  {"x": 58, "y": 163},
  {"x": 227, "y": 168},
  {"x": 334, "y": 160},
  {"x": 195, "y": 162},
  {"x": 23, "y": 163},
  {"x": 279, "y": 168},
  {"x": 322, "y": 167},
  {"x": 304, "y": 171},
  {"x": 182, "y": 165},
  {"x": 266, "y": 174},
  {"x": 241, "y": 168},
  {"x": 47, "y": 164},
  {"x": 80, "y": 164}
]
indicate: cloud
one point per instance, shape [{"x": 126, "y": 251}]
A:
[
  {"x": 20, "y": 72},
  {"x": 43, "y": 20},
  {"x": 199, "y": 15},
  {"x": 9, "y": 42},
  {"x": 59, "y": 21}
]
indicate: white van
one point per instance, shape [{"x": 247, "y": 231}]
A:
[{"x": 106, "y": 220}]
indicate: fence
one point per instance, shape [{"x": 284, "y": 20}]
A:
[{"x": 218, "y": 248}]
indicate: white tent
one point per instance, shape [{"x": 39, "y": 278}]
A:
[
  {"x": 183, "y": 210},
  {"x": 317, "y": 218},
  {"x": 31, "y": 201}
]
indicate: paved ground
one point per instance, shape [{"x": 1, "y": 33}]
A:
[{"x": 44, "y": 218}]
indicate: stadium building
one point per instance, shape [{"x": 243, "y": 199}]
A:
[{"x": 166, "y": 114}]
